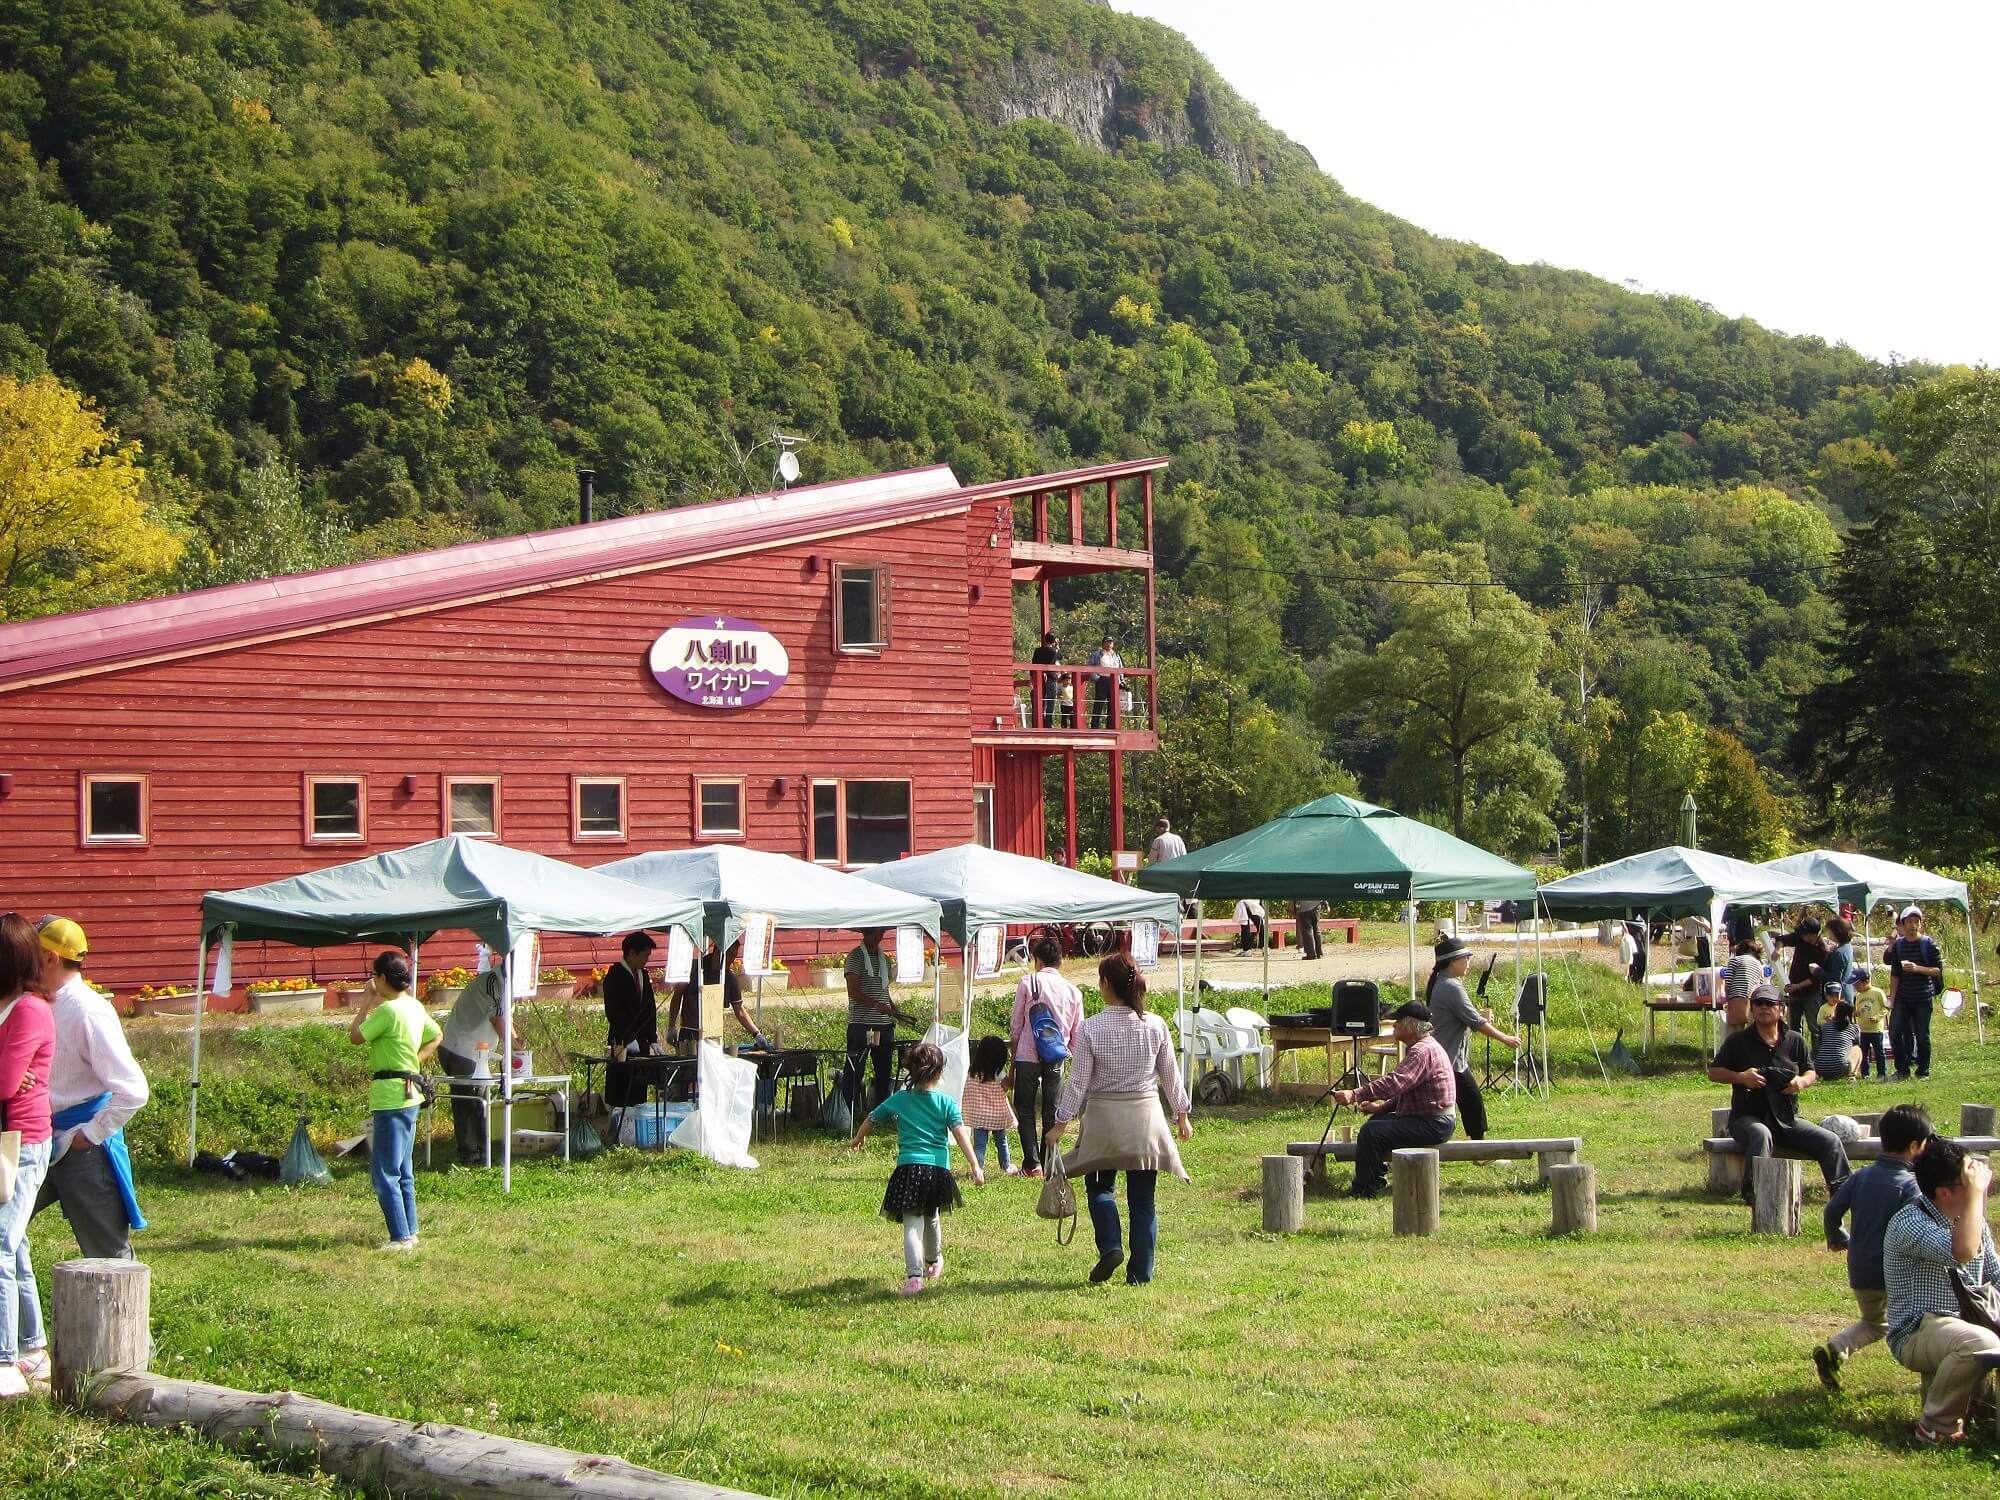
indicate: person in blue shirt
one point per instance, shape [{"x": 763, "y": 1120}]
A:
[
  {"x": 922, "y": 1187},
  {"x": 1916, "y": 974},
  {"x": 1871, "y": 1198}
]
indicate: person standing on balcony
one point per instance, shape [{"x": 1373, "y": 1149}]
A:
[
  {"x": 1104, "y": 685},
  {"x": 1048, "y": 684}
]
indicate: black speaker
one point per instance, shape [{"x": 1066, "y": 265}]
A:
[
  {"x": 1356, "y": 1005},
  {"x": 1534, "y": 1002}
]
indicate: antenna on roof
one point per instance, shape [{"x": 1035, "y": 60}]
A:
[{"x": 786, "y": 471}]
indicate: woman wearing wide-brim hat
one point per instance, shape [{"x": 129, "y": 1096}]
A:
[
  {"x": 1123, "y": 1067},
  {"x": 1454, "y": 1019}
]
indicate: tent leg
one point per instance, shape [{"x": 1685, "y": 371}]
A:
[
  {"x": 965, "y": 957},
  {"x": 194, "y": 1072},
  {"x": 1267, "y": 963},
  {"x": 506, "y": 1073},
  {"x": 1972, "y": 952},
  {"x": 1194, "y": 1000},
  {"x": 1410, "y": 918},
  {"x": 759, "y": 1003},
  {"x": 416, "y": 950},
  {"x": 937, "y": 992}
]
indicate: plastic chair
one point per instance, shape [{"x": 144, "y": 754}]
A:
[
  {"x": 1215, "y": 1045},
  {"x": 1245, "y": 1019}
]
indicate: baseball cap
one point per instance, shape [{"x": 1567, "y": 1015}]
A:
[
  {"x": 1910, "y": 911},
  {"x": 1411, "y": 1010},
  {"x": 63, "y": 938},
  {"x": 1766, "y": 994},
  {"x": 1862, "y": 971}
]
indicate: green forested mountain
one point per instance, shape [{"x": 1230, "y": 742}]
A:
[{"x": 364, "y": 275}]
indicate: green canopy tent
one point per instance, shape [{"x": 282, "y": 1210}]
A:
[
  {"x": 1342, "y": 849},
  {"x": 980, "y": 887},
  {"x": 732, "y": 882},
  {"x": 404, "y": 897}
]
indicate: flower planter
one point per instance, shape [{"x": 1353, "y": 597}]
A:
[
  {"x": 279, "y": 1002},
  {"x": 443, "y": 999},
  {"x": 830, "y": 979},
  {"x": 170, "y": 1005},
  {"x": 563, "y": 991}
]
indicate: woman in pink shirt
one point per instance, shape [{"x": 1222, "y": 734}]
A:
[
  {"x": 27, "y": 1044},
  {"x": 1034, "y": 1077}
]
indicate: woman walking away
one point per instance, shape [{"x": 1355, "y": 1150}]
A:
[
  {"x": 399, "y": 1034},
  {"x": 1047, "y": 1012},
  {"x": 1124, "y": 1068},
  {"x": 986, "y": 1108},
  {"x": 27, "y": 1045},
  {"x": 922, "y": 1187}
]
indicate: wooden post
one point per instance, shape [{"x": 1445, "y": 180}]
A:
[
  {"x": 1414, "y": 1191},
  {"x": 101, "y": 1312},
  {"x": 1573, "y": 1198},
  {"x": 1725, "y": 1172},
  {"x": 1775, "y": 1208},
  {"x": 1547, "y": 1161},
  {"x": 1718, "y": 1121},
  {"x": 1975, "y": 1119},
  {"x": 1284, "y": 1194},
  {"x": 1871, "y": 1122}
]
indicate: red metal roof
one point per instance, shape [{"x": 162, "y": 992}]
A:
[{"x": 100, "y": 640}]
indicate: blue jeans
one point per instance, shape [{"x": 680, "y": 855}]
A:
[
  {"x": 1101, "y": 1189},
  {"x": 1382, "y": 1134},
  {"x": 1910, "y": 1035},
  {"x": 979, "y": 1149},
  {"x": 1871, "y": 1045},
  {"x": 389, "y": 1154},
  {"x": 20, "y": 1299}
]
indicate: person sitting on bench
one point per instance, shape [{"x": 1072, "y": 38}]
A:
[
  {"x": 1417, "y": 1105},
  {"x": 1766, "y": 1068},
  {"x": 1941, "y": 1235}
]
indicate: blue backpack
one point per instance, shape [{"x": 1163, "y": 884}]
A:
[{"x": 1049, "y": 1044}]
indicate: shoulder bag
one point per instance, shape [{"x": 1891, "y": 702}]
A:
[
  {"x": 1058, "y": 1199},
  {"x": 1978, "y": 1305}
]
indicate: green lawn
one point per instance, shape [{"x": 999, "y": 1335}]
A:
[{"x": 740, "y": 1327}]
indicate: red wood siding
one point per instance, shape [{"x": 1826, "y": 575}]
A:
[
  {"x": 989, "y": 570},
  {"x": 530, "y": 689}
]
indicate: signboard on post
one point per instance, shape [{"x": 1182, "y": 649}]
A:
[
  {"x": 1145, "y": 944},
  {"x": 680, "y": 957},
  {"x": 986, "y": 952},
  {"x": 760, "y": 935},
  {"x": 909, "y": 955},
  {"x": 1124, "y": 861}
]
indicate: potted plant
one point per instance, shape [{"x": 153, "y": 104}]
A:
[
  {"x": 442, "y": 988},
  {"x": 163, "y": 1000},
  {"x": 826, "y": 970},
  {"x": 297, "y": 993},
  {"x": 591, "y": 986},
  {"x": 555, "y": 984}
]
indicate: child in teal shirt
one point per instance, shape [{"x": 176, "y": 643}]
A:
[{"x": 922, "y": 1187}]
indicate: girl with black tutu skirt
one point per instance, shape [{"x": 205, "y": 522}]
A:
[{"x": 922, "y": 1187}]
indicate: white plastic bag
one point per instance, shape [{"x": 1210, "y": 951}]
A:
[
  {"x": 957, "y": 1058},
  {"x": 720, "y": 1127}
]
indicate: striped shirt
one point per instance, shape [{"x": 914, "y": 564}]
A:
[
  {"x": 1917, "y": 1262},
  {"x": 1421, "y": 1085},
  {"x": 1119, "y": 1051},
  {"x": 1742, "y": 974}
]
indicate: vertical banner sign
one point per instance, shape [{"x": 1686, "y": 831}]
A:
[
  {"x": 526, "y": 965},
  {"x": 909, "y": 955},
  {"x": 760, "y": 934},
  {"x": 1145, "y": 944},
  {"x": 223, "y": 958},
  {"x": 680, "y": 957},
  {"x": 986, "y": 953}
]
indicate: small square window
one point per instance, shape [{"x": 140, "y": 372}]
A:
[
  {"x": 336, "y": 809},
  {"x": 114, "y": 809},
  {"x": 718, "y": 808},
  {"x": 861, "y": 608},
  {"x": 598, "y": 807},
  {"x": 472, "y": 805}
]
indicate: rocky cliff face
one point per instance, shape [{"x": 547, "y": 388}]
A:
[{"x": 1100, "y": 109}]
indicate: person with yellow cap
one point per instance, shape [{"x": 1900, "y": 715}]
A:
[{"x": 95, "y": 1086}]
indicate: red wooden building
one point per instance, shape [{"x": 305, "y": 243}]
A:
[{"x": 523, "y": 688}]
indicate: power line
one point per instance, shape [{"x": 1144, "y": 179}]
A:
[{"x": 1648, "y": 580}]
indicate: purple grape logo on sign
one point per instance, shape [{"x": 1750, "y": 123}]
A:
[{"x": 719, "y": 661}]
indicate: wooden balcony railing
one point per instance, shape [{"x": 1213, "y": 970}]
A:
[{"x": 1085, "y": 699}]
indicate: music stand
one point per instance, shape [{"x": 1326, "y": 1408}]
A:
[{"x": 1531, "y": 1010}]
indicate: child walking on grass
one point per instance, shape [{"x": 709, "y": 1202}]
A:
[
  {"x": 986, "y": 1108},
  {"x": 922, "y": 1187}
]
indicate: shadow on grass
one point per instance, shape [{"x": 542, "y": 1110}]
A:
[
  {"x": 852, "y": 1289},
  {"x": 302, "y": 1242},
  {"x": 1802, "y": 1420}
]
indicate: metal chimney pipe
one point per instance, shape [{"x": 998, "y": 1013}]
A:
[{"x": 586, "y": 490}]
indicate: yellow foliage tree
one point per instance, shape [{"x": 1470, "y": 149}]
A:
[{"x": 74, "y": 531}]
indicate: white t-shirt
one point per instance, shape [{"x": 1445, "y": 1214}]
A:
[
  {"x": 92, "y": 1057},
  {"x": 1248, "y": 911},
  {"x": 1167, "y": 846}
]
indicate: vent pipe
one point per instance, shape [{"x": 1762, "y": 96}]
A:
[{"x": 586, "y": 490}]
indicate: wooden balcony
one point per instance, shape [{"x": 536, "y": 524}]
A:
[{"x": 1079, "y": 708}]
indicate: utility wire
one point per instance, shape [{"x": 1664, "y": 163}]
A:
[{"x": 1652, "y": 580}]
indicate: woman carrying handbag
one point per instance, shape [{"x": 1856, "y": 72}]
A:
[
  {"x": 27, "y": 1044},
  {"x": 1123, "y": 1068}
]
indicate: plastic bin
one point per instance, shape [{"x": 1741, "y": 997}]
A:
[{"x": 648, "y": 1126}]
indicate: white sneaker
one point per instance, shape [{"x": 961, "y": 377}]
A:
[
  {"x": 12, "y": 1382},
  {"x": 409, "y": 1244},
  {"x": 35, "y": 1367}
]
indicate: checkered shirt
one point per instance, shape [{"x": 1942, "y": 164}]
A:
[
  {"x": 1422, "y": 1084},
  {"x": 1917, "y": 1264},
  {"x": 1119, "y": 1051}
]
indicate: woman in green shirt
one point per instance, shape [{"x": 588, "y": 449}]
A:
[{"x": 399, "y": 1034}]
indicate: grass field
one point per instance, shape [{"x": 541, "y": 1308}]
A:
[{"x": 741, "y": 1327}]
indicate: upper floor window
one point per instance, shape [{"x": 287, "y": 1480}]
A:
[
  {"x": 718, "y": 807},
  {"x": 597, "y": 807},
  {"x": 861, "y": 607},
  {"x": 114, "y": 808},
  {"x": 336, "y": 809},
  {"x": 472, "y": 805}
]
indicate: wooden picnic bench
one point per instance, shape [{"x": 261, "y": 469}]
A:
[
  {"x": 1550, "y": 1151},
  {"x": 1725, "y": 1157}
]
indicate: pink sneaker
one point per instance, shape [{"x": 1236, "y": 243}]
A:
[
  {"x": 912, "y": 1286},
  {"x": 934, "y": 1270}
]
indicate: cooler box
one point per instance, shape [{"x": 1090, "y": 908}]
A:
[{"x": 648, "y": 1126}]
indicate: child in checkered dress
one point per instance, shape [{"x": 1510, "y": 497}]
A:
[{"x": 987, "y": 1111}]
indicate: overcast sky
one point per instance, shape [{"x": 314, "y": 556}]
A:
[{"x": 1825, "y": 168}]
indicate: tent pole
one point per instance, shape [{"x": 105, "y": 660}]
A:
[
  {"x": 1410, "y": 920},
  {"x": 194, "y": 1073},
  {"x": 1187, "y": 1042},
  {"x": 1972, "y": 952},
  {"x": 966, "y": 963},
  {"x": 1267, "y": 960},
  {"x": 507, "y": 1069},
  {"x": 937, "y": 994}
]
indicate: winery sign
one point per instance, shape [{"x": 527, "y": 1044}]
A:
[{"x": 719, "y": 661}]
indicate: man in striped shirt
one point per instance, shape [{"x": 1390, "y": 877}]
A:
[
  {"x": 1942, "y": 1232},
  {"x": 1414, "y": 1106}
]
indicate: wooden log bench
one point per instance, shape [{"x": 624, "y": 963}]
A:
[
  {"x": 1549, "y": 1152},
  {"x": 1725, "y": 1157}
]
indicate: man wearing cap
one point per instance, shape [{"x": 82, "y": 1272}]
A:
[
  {"x": 1413, "y": 1106},
  {"x": 1916, "y": 974},
  {"x": 1766, "y": 1068},
  {"x": 94, "y": 1088},
  {"x": 1454, "y": 1020}
]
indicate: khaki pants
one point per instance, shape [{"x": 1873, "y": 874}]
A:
[
  {"x": 1872, "y": 1325},
  {"x": 1941, "y": 1350}
]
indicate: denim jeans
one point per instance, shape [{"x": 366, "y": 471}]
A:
[
  {"x": 1101, "y": 1189},
  {"x": 389, "y": 1154},
  {"x": 858, "y": 1054},
  {"x": 979, "y": 1149},
  {"x": 1756, "y": 1138},
  {"x": 1871, "y": 1044},
  {"x": 20, "y": 1299},
  {"x": 1037, "y": 1090},
  {"x": 1382, "y": 1134},
  {"x": 1910, "y": 1035}
]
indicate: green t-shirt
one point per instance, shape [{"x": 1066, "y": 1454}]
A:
[
  {"x": 394, "y": 1033},
  {"x": 924, "y": 1121}
]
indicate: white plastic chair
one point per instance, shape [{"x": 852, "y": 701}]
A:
[
  {"x": 1245, "y": 1019},
  {"x": 1214, "y": 1044}
]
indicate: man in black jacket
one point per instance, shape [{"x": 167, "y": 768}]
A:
[{"x": 1766, "y": 1067}]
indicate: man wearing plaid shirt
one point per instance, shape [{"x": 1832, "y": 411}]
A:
[
  {"x": 1414, "y": 1106},
  {"x": 1942, "y": 1232}
]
